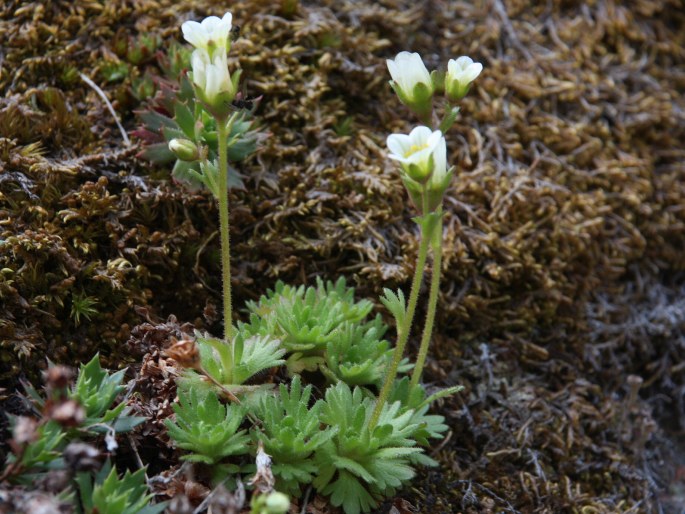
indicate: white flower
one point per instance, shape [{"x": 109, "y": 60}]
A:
[
  {"x": 460, "y": 73},
  {"x": 210, "y": 34},
  {"x": 408, "y": 70},
  {"x": 412, "y": 82},
  {"x": 423, "y": 157},
  {"x": 416, "y": 151},
  {"x": 214, "y": 84}
]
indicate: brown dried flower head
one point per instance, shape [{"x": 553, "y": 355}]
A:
[
  {"x": 24, "y": 430},
  {"x": 82, "y": 457},
  {"x": 68, "y": 413},
  {"x": 58, "y": 377},
  {"x": 185, "y": 352}
]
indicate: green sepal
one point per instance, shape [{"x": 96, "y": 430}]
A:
[
  {"x": 220, "y": 106},
  {"x": 400, "y": 93},
  {"x": 420, "y": 174},
  {"x": 414, "y": 189},
  {"x": 235, "y": 80},
  {"x": 422, "y": 102},
  {"x": 456, "y": 92}
]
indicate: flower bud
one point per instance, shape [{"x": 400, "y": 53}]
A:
[
  {"x": 277, "y": 503},
  {"x": 270, "y": 503},
  {"x": 460, "y": 73},
  {"x": 412, "y": 82},
  {"x": 184, "y": 149}
]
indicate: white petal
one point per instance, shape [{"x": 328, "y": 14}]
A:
[
  {"x": 472, "y": 72},
  {"x": 393, "y": 69},
  {"x": 464, "y": 62},
  {"x": 434, "y": 139},
  {"x": 407, "y": 70},
  {"x": 440, "y": 160},
  {"x": 421, "y": 156},
  {"x": 402, "y": 56},
  {"x": 224, "y": 28},
  {"x": 213, "y": 85},
  {"x": 399, "y": 158},
  {"x": 398, "y": 144},
  {"x": 210, "y": 23},
  {"x": 194, "y": 34},
  {"x": 419, "y": 136},
  {"x": 199, "y": 61},
  {"x": 419, "y": 72}
]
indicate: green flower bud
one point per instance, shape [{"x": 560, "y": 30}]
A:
[
  {"x": 184, "y": 149},
  {"x": 460, "y": 73},
  {"x": 276, "y": 503}
]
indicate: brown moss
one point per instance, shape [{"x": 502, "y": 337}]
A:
[{"x": 565, "y": 218}]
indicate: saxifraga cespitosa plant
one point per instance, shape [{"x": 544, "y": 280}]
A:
[
  {"x": 51, "y": 443},
  {"x": 360, "y": 440}
]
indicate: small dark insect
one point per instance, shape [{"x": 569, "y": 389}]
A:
[
  {"x": 243, "y": 102},
  {"x": 235, "y": 32},
  {"x": 246, "y": 103}
]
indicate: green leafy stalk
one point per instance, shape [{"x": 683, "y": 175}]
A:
[
  {"x": 436, "y": 244},
  {"x": 224, "y": 226},
  {"x": 403, "y": 331},
  {"x": 448, "y": 119}
]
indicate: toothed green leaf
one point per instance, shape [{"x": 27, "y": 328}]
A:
[{"x": 206, "y": 427}]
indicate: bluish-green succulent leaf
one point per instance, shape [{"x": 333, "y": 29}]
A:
[{"x": 185, "y": 120}]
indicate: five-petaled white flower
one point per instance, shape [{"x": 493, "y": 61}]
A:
[
  {"x": 460, "y": 73},
  {"x": 423, "y": 157},
  {"x": 416, "y": 151},
  {"x": 412, "y": 82},
  {"x": 210, "y": 34}
]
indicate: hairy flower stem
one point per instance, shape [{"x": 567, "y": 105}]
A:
[
  {"x": 430, "y": 315},
  {"x": 224, "y": 227},
  {"x": 403, "y": 331}
]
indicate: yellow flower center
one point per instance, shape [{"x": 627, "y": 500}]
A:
[{"x": 415, "y": 148}]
